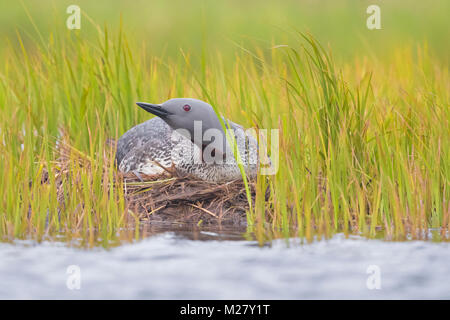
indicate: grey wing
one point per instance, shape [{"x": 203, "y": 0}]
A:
[{"x": 140, "y": 135}]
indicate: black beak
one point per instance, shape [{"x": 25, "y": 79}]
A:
[{"x": 155, "y": 109}]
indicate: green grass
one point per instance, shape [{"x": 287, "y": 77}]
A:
[{"x": 364, "y": 140}]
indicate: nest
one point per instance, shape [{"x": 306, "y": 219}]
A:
[
  {"x": 186, "y": 199},
  {"x": 169, "y": 197}
]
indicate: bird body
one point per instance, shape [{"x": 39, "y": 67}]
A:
[{"x": 158, "y": 144}]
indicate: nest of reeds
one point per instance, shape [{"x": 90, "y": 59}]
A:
[
  {"x": 176, "y": 198},
  {"x": 169, "y": 197}
]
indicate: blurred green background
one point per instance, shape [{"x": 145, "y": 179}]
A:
[{"x": 201, "y": 26}]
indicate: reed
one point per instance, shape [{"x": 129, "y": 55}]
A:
[{"x": 363, "y": 145}]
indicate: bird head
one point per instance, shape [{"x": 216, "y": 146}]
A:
[{"x": 186, "y": 114}]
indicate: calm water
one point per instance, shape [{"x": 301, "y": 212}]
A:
[{"x": 175, "y": 267}]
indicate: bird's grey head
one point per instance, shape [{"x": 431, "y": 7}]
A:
[{"x": 185, "y": 113}]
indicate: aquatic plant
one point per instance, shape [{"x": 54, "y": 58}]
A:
[{"x": 363, "y": 145}]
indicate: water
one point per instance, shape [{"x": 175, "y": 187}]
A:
[{"x": 170, "y": 266}]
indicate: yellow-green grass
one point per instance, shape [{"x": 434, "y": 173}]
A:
[{"x": 364, "y": 144}]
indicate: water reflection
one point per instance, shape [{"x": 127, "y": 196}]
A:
[
  {"x": 133, "y": 234},
  {"x": 194, "y": 232}
]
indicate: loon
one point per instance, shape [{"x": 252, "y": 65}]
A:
[{"x": 187, "y": 135}]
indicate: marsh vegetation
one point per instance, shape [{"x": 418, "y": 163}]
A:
[{"x": 364, "y": 136}]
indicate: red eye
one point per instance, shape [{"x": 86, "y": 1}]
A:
[{"x": 186, "y": 107}]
